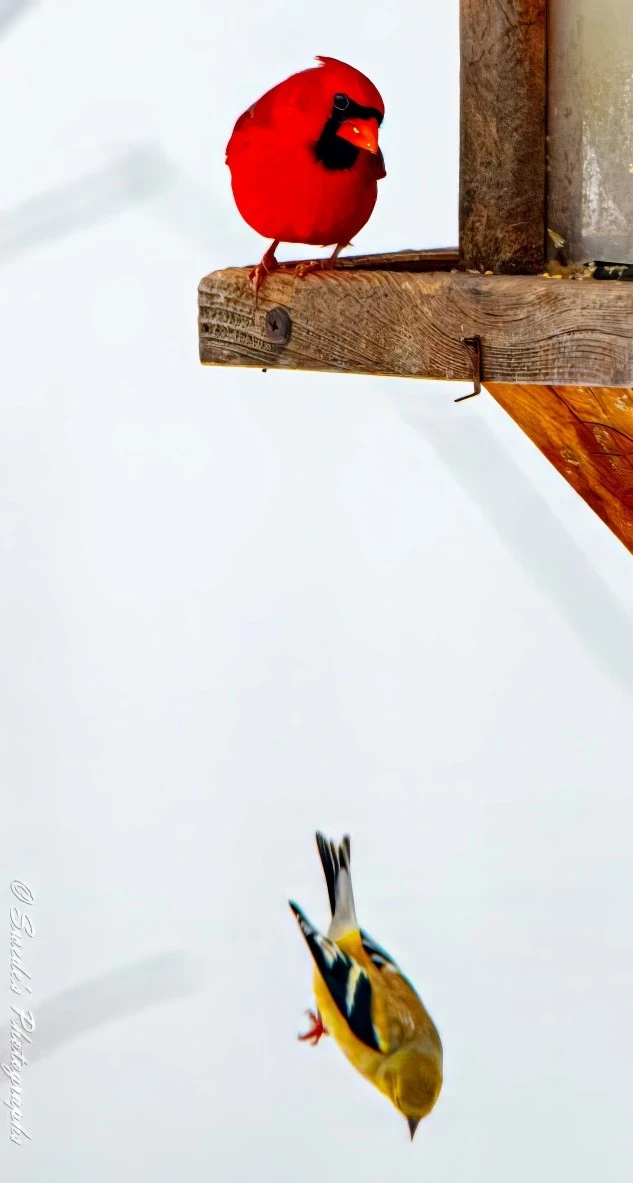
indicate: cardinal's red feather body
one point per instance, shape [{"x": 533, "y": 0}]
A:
[{"x": 305, "y": 161}]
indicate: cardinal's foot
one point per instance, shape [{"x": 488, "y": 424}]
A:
[
  {"x": 317, "y": 1030},
  {"x": 303, "y": 269},
  {"x": 259, "y": 273}
]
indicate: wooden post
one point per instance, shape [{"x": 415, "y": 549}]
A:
[{"x": 502, "y": 137}]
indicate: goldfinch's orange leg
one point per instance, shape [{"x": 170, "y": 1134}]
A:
[
  {"x": 303, "y": 269},
  {"x": 316, "y": 1031},
  {"x": 268, "y": 264}
]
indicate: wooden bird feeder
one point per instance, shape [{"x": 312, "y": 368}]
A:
[{"x": 535, "y": 303}]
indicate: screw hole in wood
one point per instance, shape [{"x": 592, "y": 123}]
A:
[{"x": 278, "y": 326}]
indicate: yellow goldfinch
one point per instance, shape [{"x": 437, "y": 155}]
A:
[{"x": 366, "y": 1003}]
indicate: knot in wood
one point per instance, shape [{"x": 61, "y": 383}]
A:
[{"x": 278, "y": 325}]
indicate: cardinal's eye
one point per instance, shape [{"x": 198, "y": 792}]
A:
[{"x": 341, "y": 102}]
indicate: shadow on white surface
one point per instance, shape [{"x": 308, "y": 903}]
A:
[
  {"x": 138, "y": 175},
  {"x": 9, "y": 9},
  {"x": 525, "y": 524},
  {"x": 108, "y": 998}
]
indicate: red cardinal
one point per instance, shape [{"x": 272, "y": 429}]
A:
[{"x": 305, "y": 161}]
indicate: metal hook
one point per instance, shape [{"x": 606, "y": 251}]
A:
[{"x": 473, "y": 345}]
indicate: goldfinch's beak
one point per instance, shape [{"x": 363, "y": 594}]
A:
[
  {"x": 362, "y": 133},
  {"x": 413, "y": 1124}
]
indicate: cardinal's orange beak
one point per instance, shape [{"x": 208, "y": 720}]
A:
[{"x": 362, "y": 133}]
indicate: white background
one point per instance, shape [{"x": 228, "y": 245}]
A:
[{"x": 236, "y": 607}]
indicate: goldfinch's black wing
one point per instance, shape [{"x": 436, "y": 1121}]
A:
[
  {"x": 377, "y": 955},
  {"x": 380, "y": 958},
  {"x": 346, "y": 980}
]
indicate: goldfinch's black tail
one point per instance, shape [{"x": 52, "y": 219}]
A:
[{"x": 333, "y": 858}]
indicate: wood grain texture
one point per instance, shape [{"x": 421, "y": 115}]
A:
[
  {"x": 587, "y": 434},
  {"x": 532, "y": 329},
  {"x": 502, "y": 135}
]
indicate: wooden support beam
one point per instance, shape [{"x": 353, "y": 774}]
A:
[
  {"x": 587, "y": 434},
  {"x": 502, "y": 135},
  {"x": 406, "y": 324}
]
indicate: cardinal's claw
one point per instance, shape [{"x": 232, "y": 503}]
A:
[
  {"x": 303, "y": 269},
  {"x": 316, "y": 1031},
  {"x": 259, "y": 273}
]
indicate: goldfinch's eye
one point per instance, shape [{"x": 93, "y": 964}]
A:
[{"x": 341, "y": 102}]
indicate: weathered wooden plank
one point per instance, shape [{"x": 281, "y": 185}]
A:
[
  {"x": 502, "y": 135},
  {"x": 587, "y": 434},
  {"x": 532, "y": 329}
]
